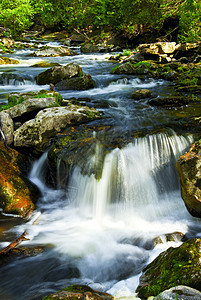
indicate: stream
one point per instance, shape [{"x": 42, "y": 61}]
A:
[{"x": 100, "y": 232}]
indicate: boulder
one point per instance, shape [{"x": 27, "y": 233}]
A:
[
  {"x": 48, "y": 122},
  {"x": 7, "y": 42},
  {"x": 125, "y": 68},
  {"x": 48, "y": 51},
  {"x": 157, "y": 48},
  {"x": 173, "y": 267},
  {"x": 8, "y": 78},
  {"x": 77, "y": 292},
  {"x": 180, "y": 292},
  {"x": 45, "y": 64},
  {"x": 84, "y": 82},
  {"x": 141, "y": 94},
  {"x": 7, "y": 127},
  {"x": 189, "y": 169},
  {"x": 17, "y": 193},
  {"x": 171, "y": 101},
  {"x": 91, "y": 48},
  {"x": 168, "y": 237},
  {"x": 59, "y": 73}
]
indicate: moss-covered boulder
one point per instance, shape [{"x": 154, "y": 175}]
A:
[
  {"x": 59, "y": 73},
  {"x": 174, "y": 100},
  {"x": 17, "y": 193},
  {"x": 141, "y": 94},
  {"x": 7, "y": 60},
  {"x": 46, "y": 64},
  {"x": 176, "y": 266},
  {"x": 139, "y": 68},
  {"x": 189, "y": 169},
  {"x": 78, "y": 292},
  {"x": 84, "y": 82}
]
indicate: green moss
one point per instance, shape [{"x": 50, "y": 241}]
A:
[{"x": 176, "y": 266}]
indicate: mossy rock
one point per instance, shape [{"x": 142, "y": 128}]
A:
[
  {"x": 176, "y": 266},
  {"x": 84, "y": 82},
  {"x": 77, "y": 292},
  {"x": 17, "y": 193},
  {"x": 45, "y": 64},
  {"x": 174, "y": 101},
  {"x": 7, "y": 60}
]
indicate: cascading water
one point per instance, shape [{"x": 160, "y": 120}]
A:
[{"x": 99, "y": 231}]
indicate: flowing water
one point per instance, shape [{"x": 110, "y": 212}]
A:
[{"x": 100, "y": 231}]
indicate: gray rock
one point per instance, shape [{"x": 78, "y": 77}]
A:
[
  {"x": 48, "y": 51},
  {"x": 7, "y": 126},
  {"x": 84, "y": 82},
  {"x": 180, "y": 292},
  {"x": 48, "y": 122},
  {"x": 30, "y": 105}
]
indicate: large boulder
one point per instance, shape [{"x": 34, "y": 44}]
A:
[
  {"x": 17, "y": 194},
  {"x": 48, "y": 122},
  {"x": 59, "y": 73},
  {"x": 7, "y": 126},
  {"x": 141, "y": 94},
  {"x": 173, "y": 267},
  {"x": 84, "y": 82},
  {"x": 32, "y": 105},
  {"x": 189, "y": 169},
  {"x": 157, "y": 48},
  {"x": 48, "y": 51},
  {"x": 77, "y": 292}
]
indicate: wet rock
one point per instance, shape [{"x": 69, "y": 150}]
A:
[
  {"x": 7, "y": 126},
  {"x": 171, "y": 101},
  {"x": 59, "y": 73},
  {"x": 7, "y": 60},
  {"x": 141, "y": 94},
  {"x": 7, "y": 78},
  {"x": 48, "y": 51},
  {"x": 140, "y": 68},
  {"x": 180, "y": 292},
  {"x": 125, "y": 68},
  {"x": 77, "y": 292},
  {"x": 17, "y": 193},
  {"x": 84, "y": 82},
  {"x": 77, "y": 38},
  {"x": 168, "y": 237},
  {"x": 48, "y": 122},
  {"x": 173, "y": 267},
  {"x": 189, "y": 169}
]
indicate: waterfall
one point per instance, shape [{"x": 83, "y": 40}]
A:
[{"x": 136, "y": 178}]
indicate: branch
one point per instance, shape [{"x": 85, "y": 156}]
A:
[{"x": 14, "y": 244}]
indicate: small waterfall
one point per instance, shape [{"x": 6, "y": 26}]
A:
[{"x": 137, "y": 178}]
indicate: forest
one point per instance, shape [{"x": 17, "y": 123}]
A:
[{"x": 177, "y": 19}]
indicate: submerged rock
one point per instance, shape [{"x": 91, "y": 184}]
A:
[
  {"x": 189, "y": 169},
  {"x": 17, "y": 193},
  {"x": 59, "y": 73},
  {"x": 175, "y": 266},
  {"x": 77, "y": 292}
]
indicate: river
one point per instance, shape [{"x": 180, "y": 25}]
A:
[{"x": 100, "y": 232}]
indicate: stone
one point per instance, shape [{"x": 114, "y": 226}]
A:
[
  {"x": 141, "y": 94},
  {"x": 173, "y": 267},
  {"x": 157, "y": 48},
  {"x": 17, "y": 194},
  {"x": 78, "y": 292},
  {"x": 31, "y": 105},
  {"x": 48, "y": 122},
  {"x": 180, "y": 292},
  {"x": 84, "y": 82},
  {"x": 7, "y": 127},
  {"x": 189, "y": 170},
  {"x": 59, "y": 73},
  {"x": 125, "y": 68},
  {"x": 48, "y": 51},
  {"x": 168, "y": 237},
  {"x": 7, "y": 60}
]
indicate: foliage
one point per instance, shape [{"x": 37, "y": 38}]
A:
[
  {"x": 16, "y": 14},
  {"x": 131, "y": 17}
]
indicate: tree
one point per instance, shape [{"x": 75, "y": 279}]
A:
[{"x": 16, "y": 14}]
